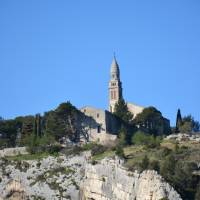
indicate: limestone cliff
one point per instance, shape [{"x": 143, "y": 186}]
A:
[
  {"x": 108, "y": 180},
  {"x": 75, "y": 178}
]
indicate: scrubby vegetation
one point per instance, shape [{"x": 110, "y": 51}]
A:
[
  {"x": 141, "y": 138},
  {"x": 175, "y": 162},
  {"x": 186, "y": 124}
]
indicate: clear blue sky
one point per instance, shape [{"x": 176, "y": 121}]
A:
[{"x": 53, "y": 51}]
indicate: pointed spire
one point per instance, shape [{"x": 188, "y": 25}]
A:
[{"x": 114, "y": 65}]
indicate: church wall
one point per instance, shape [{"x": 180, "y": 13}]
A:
[
  {"x": 113, "y": 125},
  {"x": 99, "y": 125},
  {"x": 99, "y": 117},
  {"x": 135, "y": 109}
]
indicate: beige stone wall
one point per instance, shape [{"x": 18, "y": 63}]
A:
[
  {"x": 135, "y": 109},
  {"x": 98, "y": 118}
]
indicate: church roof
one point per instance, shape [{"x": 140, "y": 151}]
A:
[{"x": 114, "y": 66}]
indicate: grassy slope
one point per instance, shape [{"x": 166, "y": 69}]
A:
[
  {"x": 187, "y": 152},
  {"x": 37, "y": 156}
]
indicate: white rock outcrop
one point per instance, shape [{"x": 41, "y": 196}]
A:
[
  {"x": 184, "y": 137},
  {"x": 51, "y": 178},
  {"x": 13, "y": 151},
  {"x": 108, "y": 180},
  {"x": 75, "y": 177}
]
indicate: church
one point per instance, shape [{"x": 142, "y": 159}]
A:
[
  {"x": 116, "y": 91},
  {"x": 102, "y": 125}
]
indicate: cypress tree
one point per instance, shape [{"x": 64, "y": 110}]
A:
[
  {"x": 178, "y": 121},
  {"x": 37, "y": 125}
]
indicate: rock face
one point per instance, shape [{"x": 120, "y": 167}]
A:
[
  {"x": 51, "y": 178},
  {"x": 184, "y": 137},
  {"x": 108, "y": 180},
  {"x": 13, "y": 151},
  {"x": 75, "y": 178}
]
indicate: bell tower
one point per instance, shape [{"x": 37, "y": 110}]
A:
[{"x": 115, "y": 85}]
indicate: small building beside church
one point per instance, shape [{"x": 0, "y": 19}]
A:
[{"x": 102, "y": 125}]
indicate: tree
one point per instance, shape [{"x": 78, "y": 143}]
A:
[
  {"x": 141, "y": 138},
  {"x": 37, "y": 144},
  {"x": 27, "y": 127},
  {"x": 120, "y": 151},
  {"x": 37, "y": 125},
  {"x": 152, "y": 121},
  {"x": 189, "y": 125},
  {"x": 122, "y": 137},
  {"x": 8, "y": 130},
  {"x": 121, "y": 111},
  {"x": 154, "y": 165},
  {"x": 178, "y": 121},
  {"x": 168, "y": 167},
  {"x": 186, "y": 127},
  {"x": 63, "y": 121},
  {"x": 184, "y": 180}
]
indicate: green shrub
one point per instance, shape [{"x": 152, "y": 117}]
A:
[
  {"x": 53, "y": 149},
  {"x": 168, "y": 167},
  {"x": 98, "y": 149},
  {"x": 120, "y": 151},
  {"x": 88, "y": 146},
  {"x": 122, "y": 137},
  {"x": 145, "y": 163},
  {"x": 154, "y": 165},
  {"x": 141, "y": 138},
  {"x": 165, "y": 151},
  {"x": 46, "y": 143}
]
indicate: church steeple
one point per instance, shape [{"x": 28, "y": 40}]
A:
[
  {"x": 115, "y": 85},
  {"x": 115, "y": 72}
]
